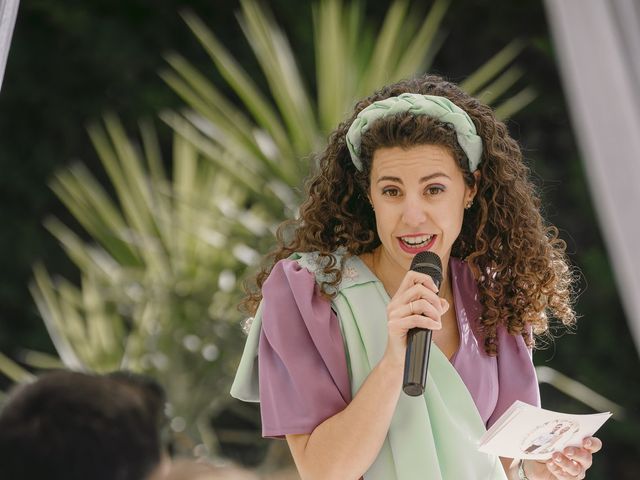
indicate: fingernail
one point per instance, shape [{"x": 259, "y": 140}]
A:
[
  {"x": 557, "y": 459},
  {"x": 569, "y": 452},
  {"x": 587, "y": 442}
]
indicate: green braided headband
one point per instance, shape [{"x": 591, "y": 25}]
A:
[{"x": 438, "y": 107}]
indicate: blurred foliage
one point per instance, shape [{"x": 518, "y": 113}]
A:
[
  {"x": 81, "y": 74},
  {"x": 156, "y": 292}
]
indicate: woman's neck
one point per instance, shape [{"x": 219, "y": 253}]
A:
[{"x": 391, "y": 274}]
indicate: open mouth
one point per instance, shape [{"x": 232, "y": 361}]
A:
[{"x": 415, "y": 243}]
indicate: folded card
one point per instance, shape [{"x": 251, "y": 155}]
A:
[{"x": 525, "y": 431}]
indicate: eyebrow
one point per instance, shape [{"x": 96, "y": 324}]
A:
[{"x": 422, "y": 180}]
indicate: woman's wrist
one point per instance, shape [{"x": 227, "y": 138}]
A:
[
  {"x": 531, "y": 470},
  {"x": 391, "y": 365},
  {"x": 522, "y": 474}
]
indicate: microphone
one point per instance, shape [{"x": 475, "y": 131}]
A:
[{"x": 416, "y": 360}]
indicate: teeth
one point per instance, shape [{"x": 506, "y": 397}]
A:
[{"x": 416, "y": 241}]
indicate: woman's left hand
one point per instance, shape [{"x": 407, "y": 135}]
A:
[{"x": 570, "y": 464}]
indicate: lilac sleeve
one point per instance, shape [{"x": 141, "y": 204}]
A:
[
  {"x": 517, "y": 378},
  {"x": 302, "y": 364}
]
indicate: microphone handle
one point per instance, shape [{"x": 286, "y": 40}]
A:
[{"x": 416, "y": 361}]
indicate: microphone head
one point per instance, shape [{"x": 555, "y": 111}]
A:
[{"x": 429, "y": 263}]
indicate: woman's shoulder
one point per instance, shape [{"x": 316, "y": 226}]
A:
[
  {"x": 288, "y": 274},
  {"x": 316, "y": 262},
  {"x": 297, "y": 280},
  {"x": 308, "y": 264}
]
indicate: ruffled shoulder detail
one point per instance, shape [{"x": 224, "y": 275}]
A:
[{"x": 354, "y": 271}]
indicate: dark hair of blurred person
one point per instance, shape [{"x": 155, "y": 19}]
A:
[{"x": 75, "y": 426}]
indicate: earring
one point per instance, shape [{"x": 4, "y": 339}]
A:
[{"x": 468, "y": 205}]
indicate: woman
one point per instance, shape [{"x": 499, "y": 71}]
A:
[{"x": 418, "y": 166}]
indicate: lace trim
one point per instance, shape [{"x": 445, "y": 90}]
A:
[{"x": 314, "y": 263}]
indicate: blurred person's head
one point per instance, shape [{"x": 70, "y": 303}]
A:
[{"x": 75, "y": 426}]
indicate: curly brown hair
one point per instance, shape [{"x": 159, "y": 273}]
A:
[{"x": 518, "y": 260}]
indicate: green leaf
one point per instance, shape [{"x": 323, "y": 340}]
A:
[
  {"x": 241, "y": 83},
  {"x": 515, "y": 103},
  {"x": 207, "y": 100},
  {"x": 41, "y": 360},
  {"x": 44, "y": 294},
  {"x": 14, "y": 371},
  {"x": 499, "y": 87},
  {"x": 383, "y": 60},
  {"x": 279, "y": 66},
  {"x": 417, "y": 56},
  {"x": 474, "y": 83}
]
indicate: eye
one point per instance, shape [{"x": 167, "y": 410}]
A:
[
  {"x": 391, "y": 191},
  {"x": 434, "y": 189}
]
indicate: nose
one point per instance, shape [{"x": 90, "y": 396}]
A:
[{"x": 414, "y": 212}]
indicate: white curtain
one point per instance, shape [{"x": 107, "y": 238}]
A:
[
  {"x": 598, "y": 48},
  {"x": 8, "y": 12}
]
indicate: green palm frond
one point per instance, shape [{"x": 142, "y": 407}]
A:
[
  {"x": 498, "y": 66},
  {"x": 350, "y": 63},
  {"x": 14, "y": 371},
  {"x": 240, "y": 81},
  {"x": 275, "y": 56},
  {"x": 515, "y": 103},
  {"x": 403, "y": 46}
]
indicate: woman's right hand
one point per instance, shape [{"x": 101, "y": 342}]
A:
[{"x": 415, "y": 304}]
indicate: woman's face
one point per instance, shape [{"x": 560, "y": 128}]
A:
[{"x": 418, "y": 195}]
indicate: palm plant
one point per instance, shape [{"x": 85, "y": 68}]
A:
[
  {"x": 156, "y": 292},
  {"x": 158, "y": 277}
]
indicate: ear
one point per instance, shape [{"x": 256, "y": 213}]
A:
[
  {"x": 474, "y": 190},
  {"x": 369, "y": 198}
]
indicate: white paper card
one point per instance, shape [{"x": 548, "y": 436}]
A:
[{"x": 524, "y": 431}]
